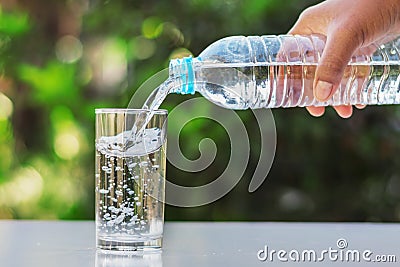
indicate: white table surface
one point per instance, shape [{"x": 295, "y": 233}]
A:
[{"x": 72, "y": 244}]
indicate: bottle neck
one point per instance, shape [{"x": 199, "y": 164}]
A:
[{"x": 182, "y": 72}]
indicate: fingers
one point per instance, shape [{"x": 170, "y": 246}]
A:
[
  {"x": 340, "y": 46},
  {"x": 312, "y": 20},
  {"x": 316, "y": 111},
  {"x": 323, "y": 90},
  {"x": 360, "y": 106},
  {"x": 343, "y": 111},
  {"x": 346, "y": 31}
]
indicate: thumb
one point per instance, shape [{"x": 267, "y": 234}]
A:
[{"x": 340, "y": 46}]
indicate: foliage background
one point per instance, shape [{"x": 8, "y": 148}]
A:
[{"x": 61, "y": 59}]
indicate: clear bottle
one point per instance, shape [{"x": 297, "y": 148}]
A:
[{"x": 241, "y": 72}]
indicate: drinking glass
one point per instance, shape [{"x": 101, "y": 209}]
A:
[{"x": 130, "y": 179}]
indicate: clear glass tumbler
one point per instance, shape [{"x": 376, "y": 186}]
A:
[{"x": 130, "y": 180}]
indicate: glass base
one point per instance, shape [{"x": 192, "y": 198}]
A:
[{"x": 148, "y": 245}]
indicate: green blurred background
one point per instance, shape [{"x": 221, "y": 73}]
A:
[{"x": 61, "y": 59}]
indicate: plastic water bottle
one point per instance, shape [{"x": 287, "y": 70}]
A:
[{"x": 278, "y": 71}]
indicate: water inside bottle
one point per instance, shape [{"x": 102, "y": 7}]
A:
[{"x": 281, "y": 84}]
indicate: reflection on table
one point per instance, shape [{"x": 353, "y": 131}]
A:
[{"x": 116, "y": 259}]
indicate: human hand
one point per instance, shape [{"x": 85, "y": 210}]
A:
[{"x": 348, "y": 26}]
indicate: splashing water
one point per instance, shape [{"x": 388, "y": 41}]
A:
[{"x": 151, "y": 104}]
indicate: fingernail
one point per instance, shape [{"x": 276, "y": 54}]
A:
[{"x": 323, "y": 90}]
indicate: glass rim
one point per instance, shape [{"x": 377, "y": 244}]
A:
[{"x": 128, "y": 111}]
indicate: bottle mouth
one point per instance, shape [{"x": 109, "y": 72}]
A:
[{"x": 182, "y": 69}]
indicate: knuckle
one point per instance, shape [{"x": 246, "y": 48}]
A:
[{"x": 308, "y": 13}]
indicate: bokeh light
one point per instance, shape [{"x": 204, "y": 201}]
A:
[
  {"x": 114, "y": 63},
  {"x": 25, "y": 186},
  {"x": 173, "y": 33},
  {"x": 68, "y": 49},
  {"x": 180, "y": 53},
  {"x": 68, "y": 138},
  {"x": 142, "y": 48},
  {"x": 6, "y": 107},
  {"x": 66, "y": 145},
  {"x": 152, "y": 27}
]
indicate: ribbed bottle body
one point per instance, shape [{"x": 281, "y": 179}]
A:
[{"x": 278, "y": 71}]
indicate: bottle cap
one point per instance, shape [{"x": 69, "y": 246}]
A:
[{"x": 183, "y": 68}]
